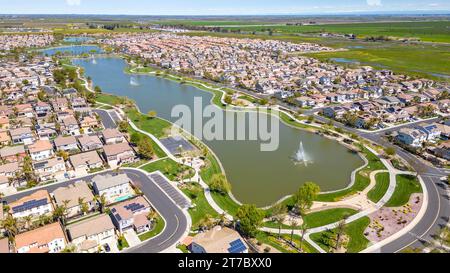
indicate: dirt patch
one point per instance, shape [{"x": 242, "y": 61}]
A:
[{"x": 388, "y": 221}]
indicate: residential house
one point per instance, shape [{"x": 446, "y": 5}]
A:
[
  {"x": 13, "y": 154},
  {"x": 113, "y": 188},
  {"x": 132, "y": 214},
  {"x": 66, "y": 143},
  {"x": 443, "y": 150},
  {"x": 84, "y": 162},
  {"x": 50, "y": 169},
  {"x": 90, "y": 143},
  {"x": 218, "y": 240},
  {"x": 412, "y": 137},
  {"x": 335, "y": 112},
  {"x": 41, "y": 150},
  {"x": 71, "y": 196},
  {"x": 90, "y": 234},
  {"x": 35, "y": 205},
  {"x": 4, "y": 123},
  {"x": 70, "y": 126},
  {"x": 46, "y": 239},
  {"x": 119, "y": 153},
  {"x": 305, "y": 102},
  {"x": 9, "y": 169},
  {"x": 112, "y": 136},
  {"x": 60, "y": 104},
  {"x": 432, "y": 131},
  {"x": 88, "y": 123},
  {"x": 5, "y": 139},
  {"x": 21, "y": 135}
]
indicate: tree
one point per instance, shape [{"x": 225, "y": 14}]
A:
[
  {"x": 10, "y": 226},
  {"x": 145, "y": 148},
  {"x": 152, "y": 114},
  {"x": 250, "y": 219},
  {"x": 278, "y": 212},
  {"x": 101, "y": 200},
  {"x": 97, "y": 89},
  {"x": 84, "y": 207},
  {"x": 340, "y": 231},
  {"x": 390, "y": 151},
  {"x": 310, "y": 119},
  {"x": 63, "y": 154},
  {"x": 305, "y": 196},
  {"x": 135, "y": 138},
  {"x": 303, "y": 229},
  {"x": 228, "y": 99},
  {"x": 123, "y": 126},
  {"x": 220, "y": 184}
]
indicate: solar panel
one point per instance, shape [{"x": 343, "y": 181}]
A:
[
  {"x": 118, "y": 217},
  {"x": 29, "y": 205},
  {"x": 237, "y": 246}
]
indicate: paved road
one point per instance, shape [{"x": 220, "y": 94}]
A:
[
  {"x": 438, "y": 209},
  {"x": 176, "y": 220},
  {"x": 107, "y": 121}
]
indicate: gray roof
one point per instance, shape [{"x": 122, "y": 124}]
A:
[{"x": 107, "y": 181}]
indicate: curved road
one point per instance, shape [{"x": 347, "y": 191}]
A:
[
  {"x": 438, "y": 210},
  {"x": 177, "y": 223}
]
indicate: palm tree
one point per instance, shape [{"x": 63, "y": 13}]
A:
[
  {"x": 293, "y": 226},
  {"x": 10, "y": 226},
  {"x": 101, "y": 200},
  {"x": 340, "y": 231},
  {"x": 278, "y": 213},
  {"x": 303, "y": 229},
  {"x": 28, "y": 221},
  {"x": 83, "y": 206}
]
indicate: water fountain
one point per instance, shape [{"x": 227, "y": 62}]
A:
[
  {"x": 133, "y": 82},
  {"x": 300, "y": 157},
  {"x": 94, "y": 61}
]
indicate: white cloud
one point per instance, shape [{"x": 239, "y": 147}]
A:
[
  {"x": 73, "y": 2},
  {"x": 374, "y": 2}
]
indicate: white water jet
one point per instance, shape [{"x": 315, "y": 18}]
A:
[
  {"x": 134, "y": 82},
  {"x": 300, "y": 157}
]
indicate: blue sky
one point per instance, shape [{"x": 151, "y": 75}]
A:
[{"x": 216, "y": 7}]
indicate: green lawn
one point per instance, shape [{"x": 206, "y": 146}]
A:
[
  {"x": 380, "y": 188},
  {"x": 195, "y": 192},
  {"x": 155, "y": 126},
  {"x": 406, "y": 185},
  {"x": 320, "y": 218},
  {"x": 109, "y": 99},
  {"x": 121, "y": 244},
  {"x": 156, "y": 148},
  {"x": 272, "y": 240},
  {"x": 168, "y": 167},
  {"x": 355, "y": 232},
  {"x": 157, "y": 229}
]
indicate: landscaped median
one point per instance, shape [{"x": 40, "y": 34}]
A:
[
  {"x": 380, "y": 188},
  {"x": 406, "y": 185}
]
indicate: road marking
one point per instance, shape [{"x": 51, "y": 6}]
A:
[{"x": 173, "y": 234}]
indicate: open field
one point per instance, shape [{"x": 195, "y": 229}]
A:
[{"x": 436, "y": 31}]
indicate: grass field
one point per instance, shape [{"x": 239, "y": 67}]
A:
[
  {"x": 320, "y": 218},
  {"x": 195, "y": 192},
  {"x": 432, "y": 31},
  {"x": 380, "y": 188},
  {"x": 168, "y": 167},
  {"x": 354, "y": 231},
  {"x": 406, "y": 185},
  {"x": 272, "y": 240}
]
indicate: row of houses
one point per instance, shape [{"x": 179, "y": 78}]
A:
[{"x": 90, "y": 231}]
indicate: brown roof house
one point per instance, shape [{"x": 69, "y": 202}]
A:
[
  {"x": 74, "y": 197},
  {"x": 84, "y": 162},
  {"x": 119, "y": 153},
  {"x": 47, "y": 239},
  {"x": 132, "y": 214},
  {"x": 91, "y": 234},
  {"x": 219, "y": 240}
]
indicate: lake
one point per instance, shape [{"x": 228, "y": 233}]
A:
[{"x": 257, "y": 177}]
